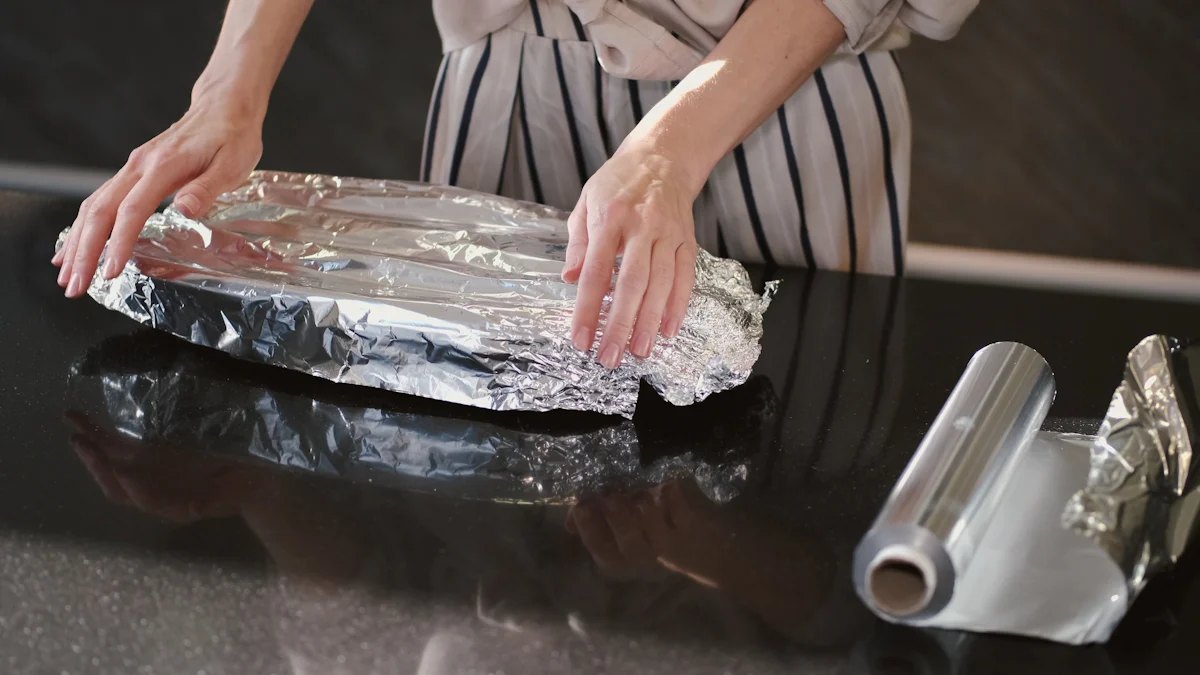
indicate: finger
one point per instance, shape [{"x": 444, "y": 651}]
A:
[
  {"x": 627, "y": 531},
  {"x": 597, "y": 537},
  {"x": 68, "y": 249},
  {"x": 681, "y": 290},
  {"x": 97, "y": 223},
  {"x": 194, "y": 199},
  {"x": 569, "y": 524},
  {"x": 595, "y": 280},
  {"x": 61, "y": 253},
  {"x": 79, "y": 422},
  {"x": 658, "y": 289},
  {"x": 136, "y": 208},
  {"x": 577, "y": 242},
  {"x": 654, "y": 519},
  {"x": 102, "y": 473},
  {"x": 67, "y": 252},
  {"x": 169, "y": 507},
  {"x": 631, "y": 288},
  {"x": 72, "y": 233},
  {"x": 72, "y": 243},
  {"x": 677, "y": 507}
]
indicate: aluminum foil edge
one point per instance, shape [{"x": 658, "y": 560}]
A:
[{"x": 431, "y": 291}]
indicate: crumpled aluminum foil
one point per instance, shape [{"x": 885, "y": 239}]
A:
[
  {"x": 433, "y": 291},
  {"x": 1142, "y": 497},
  {"x": 162, "y": 392}
]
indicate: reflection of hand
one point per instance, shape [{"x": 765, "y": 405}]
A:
[
  {"x": 779, "y": 573},
  {"x": 178, "y": 486},
  {"x": 673, "y": 525},
  {"x": 613, "y": 531}
]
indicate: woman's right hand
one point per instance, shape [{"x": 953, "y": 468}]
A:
[{"x": 211, "y": 150}]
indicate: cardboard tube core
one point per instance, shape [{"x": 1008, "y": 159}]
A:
[{"x": 900, "y": 586}]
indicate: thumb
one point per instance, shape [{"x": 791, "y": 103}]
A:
[{"x": 577, "y": 243}]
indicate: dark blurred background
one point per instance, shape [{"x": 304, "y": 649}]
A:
[{"x": 1069, "y": 127}]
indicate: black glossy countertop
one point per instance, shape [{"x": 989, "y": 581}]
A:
[{"x": 264, "y": 531}]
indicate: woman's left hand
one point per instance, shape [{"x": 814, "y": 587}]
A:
[{"x": 639, "y": 206}]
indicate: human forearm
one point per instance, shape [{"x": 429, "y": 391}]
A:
[
  {"x": 255, "y": 39},
  {"x": 772, "y": 49}
]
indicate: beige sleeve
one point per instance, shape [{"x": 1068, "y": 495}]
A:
[{"x": 866, "y": 21}]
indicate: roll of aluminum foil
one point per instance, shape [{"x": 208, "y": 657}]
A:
[
  {"x": 159, "y": 392},
  {"x": 929, "y": 530},
  {"x": 431, "y": 291},
  {"x": 997, "y": 527}
]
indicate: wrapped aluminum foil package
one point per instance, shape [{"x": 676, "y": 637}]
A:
[
  {"x": 996, "y": 526},
  {"x": 154, "y": 392},
  {"x": 432, "y": 291}
]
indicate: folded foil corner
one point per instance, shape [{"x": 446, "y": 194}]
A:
[
  {"x": 426, "y": 290},
  {"x": 1141, "y": 501}
]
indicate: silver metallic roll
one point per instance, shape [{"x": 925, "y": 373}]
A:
[
  {"x": 998, "y": 527},
  {"x": 930, "y": 528},
  {"x": 433, "y": 291}
]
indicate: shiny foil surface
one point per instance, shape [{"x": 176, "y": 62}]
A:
[
  {"x": 998, "y": 527},
  {"x": 432, "y": 291},
  {"x": 1142, "y": 496},
  {"x": 156, "y": 392}
]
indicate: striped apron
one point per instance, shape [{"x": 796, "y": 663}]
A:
[{"x": 527, "y": 112}]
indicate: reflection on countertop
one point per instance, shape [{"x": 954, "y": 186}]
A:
[{"x": 190, "y": 513}]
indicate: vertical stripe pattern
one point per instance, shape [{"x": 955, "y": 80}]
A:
[
  {"x": 435, "y": 110},
  {"x": 797, "y": 190},
  {"x": 464, "y": 126},
  {"x": 569, "y": 112},
  {"x": 839, "y": 146},
  {"x": 889, "y": 179},
  {"x": 822, "y": 183},
  {"x": 764, "y": 249}
]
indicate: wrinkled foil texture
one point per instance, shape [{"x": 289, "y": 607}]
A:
[
  {"x": 1141, "y": 501},
  {"x": 433, "y": 291},
  {"x": 191, "y": 402}
]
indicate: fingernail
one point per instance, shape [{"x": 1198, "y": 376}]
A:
[
  {"x": 672, "y": 328},
  {"x": 642, "y": 345},
  {"x": 73, "y": 289},
  {"x": 187, "y": 206},
  {"x": 63, "y": 276},
  {"x": 582, "y": 339},
  {"x": 110, "y": 269},
  {"x": 54, "y": 259},
  {"x": 611, "y": 356}
]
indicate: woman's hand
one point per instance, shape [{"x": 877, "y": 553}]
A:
[
  {"x": 208, "y": 152},
  {"x": 639, "y": 206},
  {"x": 211, "y": 150}
]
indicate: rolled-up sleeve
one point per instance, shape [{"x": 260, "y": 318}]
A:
[{"x": 868, "y": 20}]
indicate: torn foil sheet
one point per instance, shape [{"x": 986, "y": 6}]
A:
[
  {"x": 1141, "y": 500},
  {"x": 432, "y": 291},
  {"x": 983, "y": 530},
  {"x": 160, "y": 392}
]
